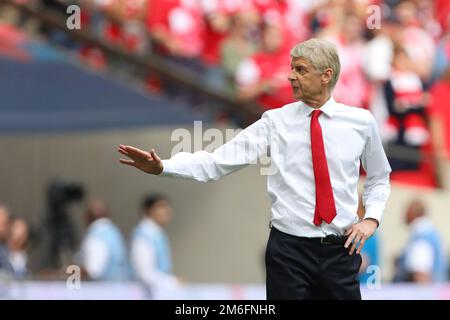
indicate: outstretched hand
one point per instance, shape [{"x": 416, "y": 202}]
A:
[{"x": 148, "y": 162}]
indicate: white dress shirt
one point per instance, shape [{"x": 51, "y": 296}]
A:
[{"x": 350, "y": 136}]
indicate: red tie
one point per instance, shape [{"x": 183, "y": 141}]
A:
[{"x": 325, "y": 207}]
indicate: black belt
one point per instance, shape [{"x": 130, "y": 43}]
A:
[{"x": 330, "y": 239}]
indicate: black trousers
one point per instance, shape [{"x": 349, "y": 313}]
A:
[{"x": 299, "y": 268}]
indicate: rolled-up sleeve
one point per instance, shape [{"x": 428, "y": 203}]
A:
[
  {"x": 374, "y": 161},
  {"x": 244, "y": 149}
]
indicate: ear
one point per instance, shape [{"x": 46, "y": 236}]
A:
[{"x": 327, "y": 75}]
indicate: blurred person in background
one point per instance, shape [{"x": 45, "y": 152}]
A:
[
  {"x": 406, "y": 101},
  {"x": 18, "y": 247},
  {"x": 5, "y": 265},
  {"x": 150, "y": 254},
  {"x": 439, "y": 111},
  {"x": 217, "y": 18},
  {"x": 125, "y": 24},
  {"x": 263, "y": 75},
  {"x": 409, "y": 34},
  {"x": 236, "y": 47},
  {"x": 423, "y": 259},
  {"x": 217, "y": 15},
  {"x": 406, "y": 127},
  {"x": 103, "y": 250},
  {"x": 377, "y": 64},
  {"x": 177, "y": 28},
  {"x": 353, "y": 87}
]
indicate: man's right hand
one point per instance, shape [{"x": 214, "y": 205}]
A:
[{"x": 148, "y": 162}]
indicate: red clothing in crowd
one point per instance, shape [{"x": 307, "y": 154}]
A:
[
  {"x": 213, "y": 38},
  {"x": 265, "y": 66},
  {"x": 442, "y": 11},
  {"x": 11, "y": 42},
  {"x": 211, "y": 51},
  {"x": 439, "y": 107},
  {"x": 275, "y": 67},
  {"x": 128, "y": 35},
  {"x": 352, "y": 88},
  {"x": 182, "y": 20}
]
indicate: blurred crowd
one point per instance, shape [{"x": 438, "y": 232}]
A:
[
  {"x": 14, "y": 241},
  {"x": 394, "y": 58},
  {"x": 103, "y": 253}
]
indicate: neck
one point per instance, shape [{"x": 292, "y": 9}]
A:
[{"x": 318, "y": 101}]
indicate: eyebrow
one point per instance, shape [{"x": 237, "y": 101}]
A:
[{"x": 299, "y": 65}]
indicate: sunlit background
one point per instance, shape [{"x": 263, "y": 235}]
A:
[{"x": 78, "y": 78}]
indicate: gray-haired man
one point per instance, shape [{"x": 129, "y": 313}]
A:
[{"x": 316, "y": 146}]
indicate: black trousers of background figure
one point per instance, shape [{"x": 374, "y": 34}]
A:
[{"x": 300, "y": 268}]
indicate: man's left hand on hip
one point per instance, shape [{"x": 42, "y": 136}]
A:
[{"x": 359, "y": 233}]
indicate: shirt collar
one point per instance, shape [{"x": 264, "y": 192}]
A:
[{"x": 328, "y": 108}]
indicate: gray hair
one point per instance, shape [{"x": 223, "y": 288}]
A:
[{"x": 322, "y": 54}]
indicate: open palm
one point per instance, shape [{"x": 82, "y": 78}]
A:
[{"x": 148, "y": 162}]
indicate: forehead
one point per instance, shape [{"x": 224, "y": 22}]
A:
[{"x": 300, "y": 61}]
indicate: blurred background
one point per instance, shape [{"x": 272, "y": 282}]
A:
[{"x": 78, "y": 78}]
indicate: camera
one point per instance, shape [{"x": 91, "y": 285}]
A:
[
  {"x": 58, "y": 233},
  {"x": 60, "y": 192}
]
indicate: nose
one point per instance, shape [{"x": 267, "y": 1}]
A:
[{"x": 291, "y": 77}]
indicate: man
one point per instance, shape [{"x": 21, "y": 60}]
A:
[
  {"x": 315, "y": 146},
  {"x": 18, "y": 240},
  {"x": 423, "y": 260},
  {"x": 150, "y": 250},
  {"x": 5, "y": 221},
  {"x": 103, "y": 250},
  {"x": 259, "y": 75}
]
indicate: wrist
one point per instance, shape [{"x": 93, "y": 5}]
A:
[{"x": 372, "y": 221}]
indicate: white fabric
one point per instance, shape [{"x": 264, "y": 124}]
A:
[
  {"x": 95, "y": 252},
  {"x": 350, "y": 135},
  {"x": 143, "y": 260},
  {"x": 248, "y": 73},
  {"x": 96, "y": 257},
  {"x": 18, "y": 260},
  {"x": 420, "y": 257},
  {"x": 378, "y": 58},
  {"x": 377, "y": 62}
]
